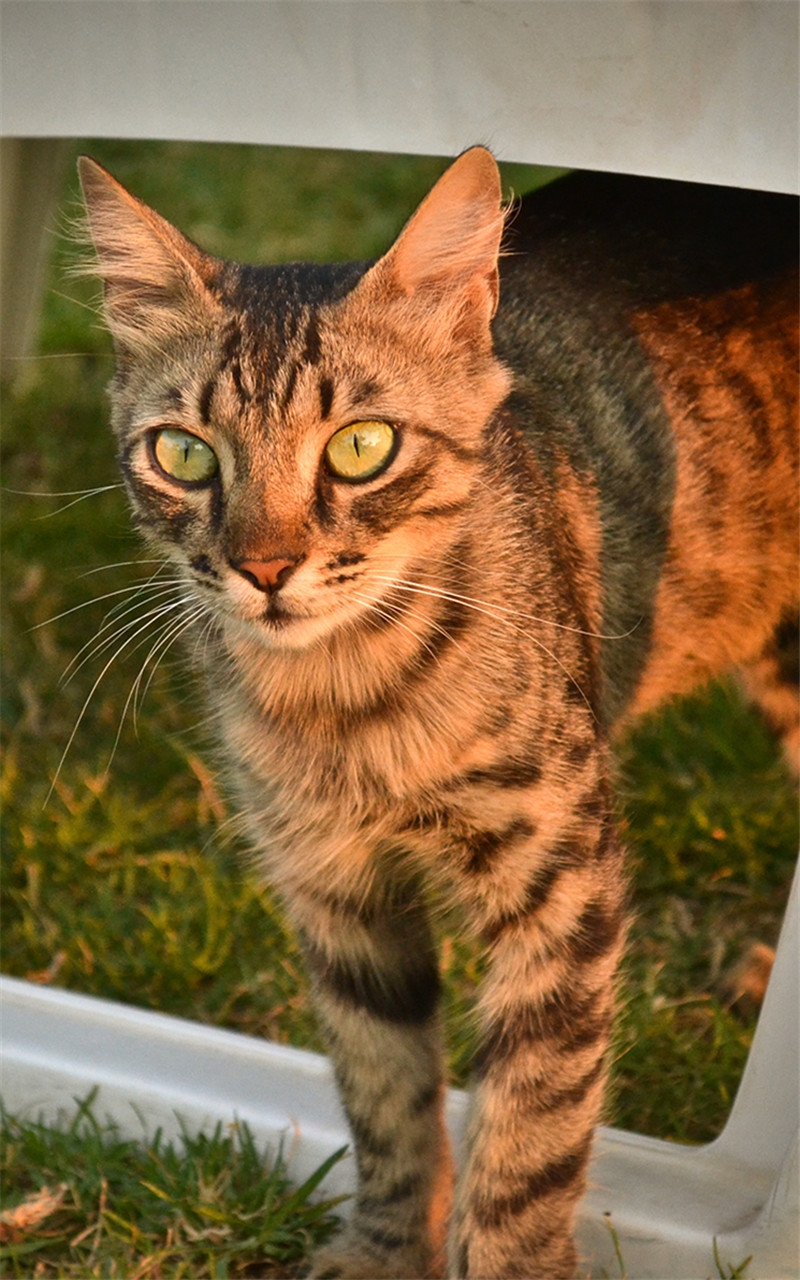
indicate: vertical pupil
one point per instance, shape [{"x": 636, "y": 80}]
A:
[
  {"x": 355, "y": 444},
  {"x": 186, "y": 450}
]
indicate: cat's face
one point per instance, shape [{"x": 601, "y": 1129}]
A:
[{"x": 300, "y": 441}]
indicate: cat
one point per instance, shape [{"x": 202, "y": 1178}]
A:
[{"x": 449, "y": 519}]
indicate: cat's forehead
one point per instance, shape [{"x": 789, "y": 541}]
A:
[
  {"x": 274, "y": 320},
  {"x": 268, "y": 293}
]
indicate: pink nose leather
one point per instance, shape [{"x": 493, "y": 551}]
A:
[{"x": 268, "y": 574}]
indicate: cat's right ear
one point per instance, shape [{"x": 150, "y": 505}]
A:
[{"x": 155, "y": 280}]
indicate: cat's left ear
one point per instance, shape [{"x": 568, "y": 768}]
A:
[{"x": 447, "y": 253}]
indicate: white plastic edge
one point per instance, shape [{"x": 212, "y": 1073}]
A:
[
  {"x": 704, "y": 90},
  {"x": 669, "y": 1204}
]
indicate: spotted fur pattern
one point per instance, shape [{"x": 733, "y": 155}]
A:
[{"x": 592, "y": 505}]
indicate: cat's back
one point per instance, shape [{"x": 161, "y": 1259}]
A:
[
  {"x": 653, "y": 330},
  {"x": 644, "y": 241}
]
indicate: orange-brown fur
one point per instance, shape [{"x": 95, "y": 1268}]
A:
[{"x": 731, "y": 570}]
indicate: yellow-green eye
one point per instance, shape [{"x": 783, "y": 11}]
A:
[
  {"x": 184, "y": 456},
  {"x": 360, "y": 451}
]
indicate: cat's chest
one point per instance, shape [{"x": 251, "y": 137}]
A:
[
  {"x": 428, "y": 769},
  {"x": 347, "y": 762}
]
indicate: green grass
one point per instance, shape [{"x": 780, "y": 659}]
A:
[
  {"x": 124, "y": 881},
  {"x": 209, "y": 1206}
]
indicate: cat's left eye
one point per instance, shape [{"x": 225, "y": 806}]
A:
[
  {"x": 184, "y": 456},
  {"x": 361, "y": 451}
]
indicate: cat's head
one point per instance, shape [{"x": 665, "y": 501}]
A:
[{"x": 297, "y": 439}]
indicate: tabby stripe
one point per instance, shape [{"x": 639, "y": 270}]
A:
[
  {"x": 388, "y": 1240},
  {"x": 537, "y": 895},
  {"x": 368, "y": 1142},
  {"x": 508, "y": 773},
  {"x": 325, "y": 397},
  {"x": 593, "y": 805},
  {"x": 171, "y": 518},
  {"x": 346, "y": 558},
  {"x": 365, "y": 391},
  {"x": 598, "y": 929},
  {"x": 462, "y": 1268},
  {"x": 445, "y": 441},
  {"x": 578, "y": 751},
  {"x": 381, "y": 510},
  {"x": 388, "y": 610},
  {"x": 313, "y": 345},
  {"x": 236, "y": 374},
  {"x": 535, "y": 1242},
  {"x": 424, "y": 1100},
  {"x": 322, "y": 507},
  {"x": 291, "y": 383},
  {"x": 573, "y": 1020},
  {"x": 563, "y": 855},
  {"x": 216, "y": 508},
  {"x": 204, "y": 403},
  {"x": 752, "y": 406},
  {"x": 408, "y": 998},
  {"x": 401, "y": 1190},
  {"x": 538, "y": 1099},
  {"x": 483, "y": 846},
  {"x": 445, "y": 509},
  {"x": 202, "y": 564},
  {"x": 445, "y": 629},
  {"x": 529, "y": 1244},
  {"x": 231, "y": 360},
  {"x": 398, "y": 897},
  {"x": 555, "y": 1176}
]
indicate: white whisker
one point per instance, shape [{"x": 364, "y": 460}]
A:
[
  {"x": 121, "y": 591},
  {"x": 491, "y": 611},
  {"x": 386, "y": 612},
  {"x": 431, "y": 623},
  {"x": 77, "y": 495},
  {"x": 63, "y": 493},
  {"x": 146, "y": 625},
  {"x": 125, "y": 564},
  {"x": 159, "y": 651},
  {"x": 494, "y": 608},
  {"x": 95, "y": 646}
]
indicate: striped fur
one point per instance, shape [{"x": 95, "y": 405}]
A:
[{"x": 590, "y": 504}]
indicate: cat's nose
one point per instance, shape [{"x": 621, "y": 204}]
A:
[{"x": 267, "y": 575}]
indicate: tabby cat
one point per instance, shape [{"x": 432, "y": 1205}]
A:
[{"x": 447, "y": 519}]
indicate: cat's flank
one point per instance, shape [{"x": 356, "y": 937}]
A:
[{"x": 443, "y": 526}]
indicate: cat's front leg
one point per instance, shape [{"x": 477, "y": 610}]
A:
[
  {"x": 376, "y": 983},
  {"x": 545, "y": 1019}
]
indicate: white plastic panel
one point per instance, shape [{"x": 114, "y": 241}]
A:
[
  {"x": 668, "y": 1203},
  {"x": 701, "y": 89}
]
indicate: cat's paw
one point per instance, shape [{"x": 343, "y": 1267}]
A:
[{"x": 349, "y": 1257}]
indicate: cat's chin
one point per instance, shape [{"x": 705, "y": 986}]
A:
[{"x": 285, "y": 632}]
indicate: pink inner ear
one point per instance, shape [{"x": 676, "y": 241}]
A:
[
  {"x": 132, "y": 241},
  {"x": 455, "y": 234},
  {"x": 154, "y": 277}
]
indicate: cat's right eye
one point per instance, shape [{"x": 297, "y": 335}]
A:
[{"x": 184, "y": 457}]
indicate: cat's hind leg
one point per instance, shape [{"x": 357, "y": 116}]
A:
[{"x": 375, "y": 978}]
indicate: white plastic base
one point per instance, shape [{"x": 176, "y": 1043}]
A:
[{"x": 668, "y": 1204}]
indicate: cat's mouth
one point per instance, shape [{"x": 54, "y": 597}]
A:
[{"x": 277, "y": 616}]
